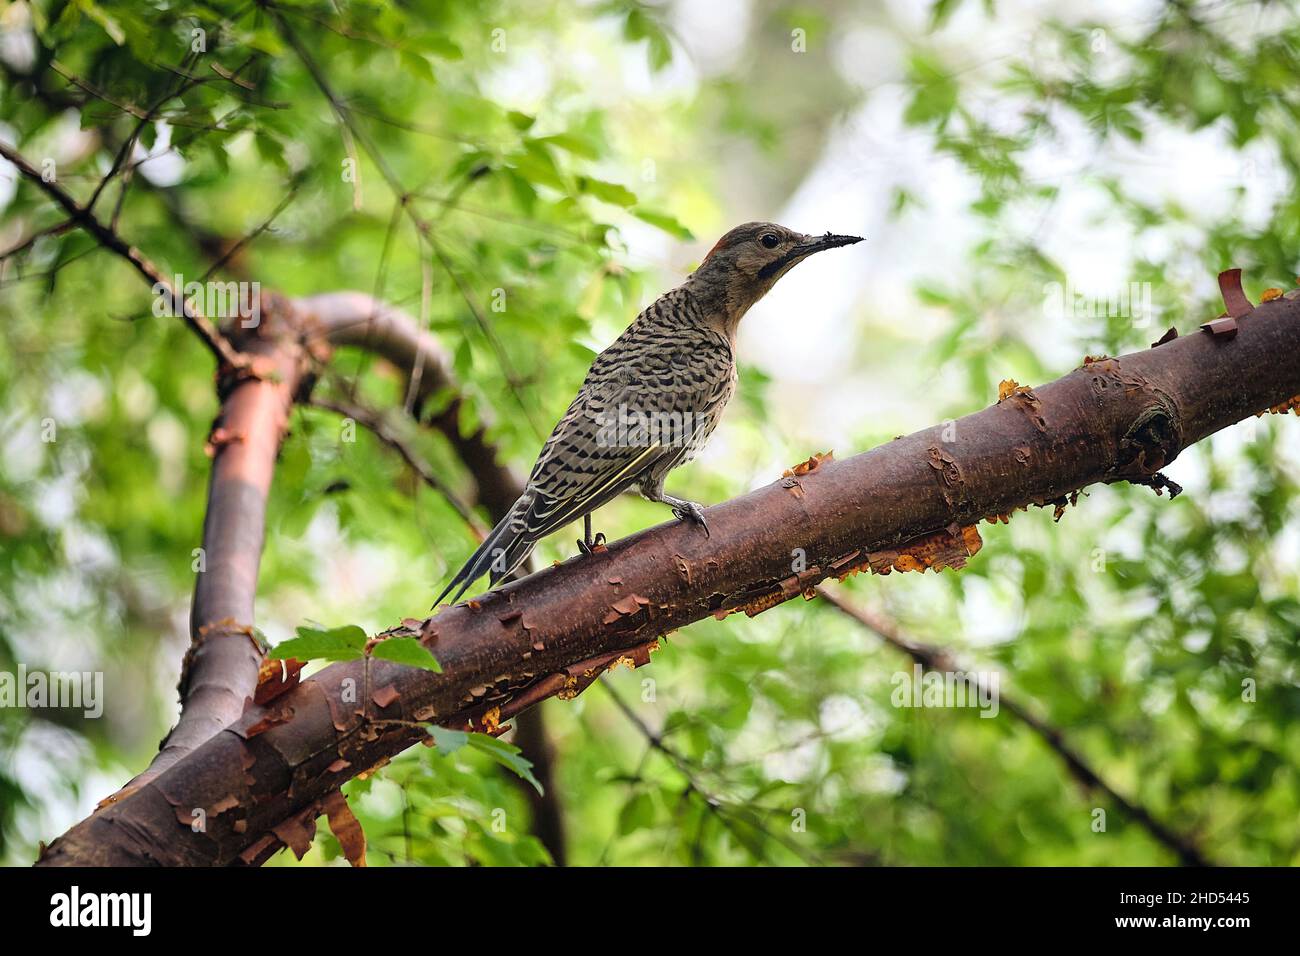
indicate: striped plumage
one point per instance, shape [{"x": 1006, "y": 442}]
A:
[{"x": 674, "y": 367}]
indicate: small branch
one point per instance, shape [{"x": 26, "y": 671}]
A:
[
  {"x": 358, "y": 319},
  {"x": 721, "y": 809},
  {"x": 124, "y": 150},
  {"x": 57, "y": 229},
  {"x": 206, "y": 241},
  {"x": 128, "y": 108},
  {"x": 238, "y": 246}
]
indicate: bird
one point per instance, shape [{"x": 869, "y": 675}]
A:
[{"x": 649, "y": 402}]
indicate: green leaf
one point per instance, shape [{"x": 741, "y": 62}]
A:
[
  {"x": 641, "y": 24},
  {"x": 538, "y": 165},
  {"x": 941, "y": 11},
  {"x": 294, "y": 521},
  {"x": 106, "y": 23},
  {"x": 521, "y": 121},
  {"x": 637, "y": 814},
  {"x": 573, "y": 143},
  {"x": 665, "y": 222},
  {"x": 506, "y": 754},
  {"x": 438, "y": 45},
  {"x": 934, "y": 92},
  {"x": 606, "y": 191},
  {"x": 407, "y": 651},
  {"x": 271, "y": 149},
  {"x": 266, "y": 40},
  {"x": 659, "y": 51},
  {"x": 448, "y": 741},
  {"x": 523, "y": 191},
  {"x": 417, "y": 66},
  {"x": 344, "y": 643}
]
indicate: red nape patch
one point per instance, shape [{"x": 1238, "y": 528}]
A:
[{"x": 720, "y": 244}]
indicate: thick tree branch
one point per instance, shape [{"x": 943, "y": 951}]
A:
[
  {"x": 220, "y": 671},
  {"x": 263, "y": 780},
  {"x": 261, "y": 367},
  {"x": 220, "y": 675}
]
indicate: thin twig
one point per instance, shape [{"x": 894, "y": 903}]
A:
[
  {"x": 125, "y": 149},
  {"x": 54, "y": 230},
  {"x": 931, "y": 657},
  {"x": 243, "y": 241},
  {"x": 108, "y": 238},
  {"x": 373, "y": 422},
  {"x": 720, "y": 808}
]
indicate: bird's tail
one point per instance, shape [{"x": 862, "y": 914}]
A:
[{"x": 502, "y": 551}]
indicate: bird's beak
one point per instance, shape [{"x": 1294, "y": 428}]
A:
[
  {"x": 805, "y": 248},
  {"x": 818, "y": 243}
]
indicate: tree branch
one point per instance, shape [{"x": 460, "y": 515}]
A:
[
  {"x": 220, "y": 675},
  {"x": 356, "y": 318},
  {"x": 263, "y": 779}
]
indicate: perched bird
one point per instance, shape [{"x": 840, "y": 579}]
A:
[{"x": 650, "y": 401}]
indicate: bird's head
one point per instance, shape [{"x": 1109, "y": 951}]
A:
[{"x": 747, "y": 261}]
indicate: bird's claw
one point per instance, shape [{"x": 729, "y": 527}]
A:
[
  {"x": 693, "y": 513},
  {"x": 592, "y": 545}
]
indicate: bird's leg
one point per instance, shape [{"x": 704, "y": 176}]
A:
[
  {"x": 688, "y": 511},
  {"x": 683, "y": 509},
  {"x": 588, "y": 544}
]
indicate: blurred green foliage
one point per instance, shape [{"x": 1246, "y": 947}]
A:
[{"x": 543, "y": 145}]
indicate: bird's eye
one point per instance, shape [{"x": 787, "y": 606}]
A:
[{"x": 769, "y": 240}]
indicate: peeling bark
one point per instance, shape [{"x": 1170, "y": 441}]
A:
[{"x": 554, "y": 632}]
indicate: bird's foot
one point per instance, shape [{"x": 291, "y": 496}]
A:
[
  {"x": 590, "y": 543},
  {"x": 692, "y": 512}
]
